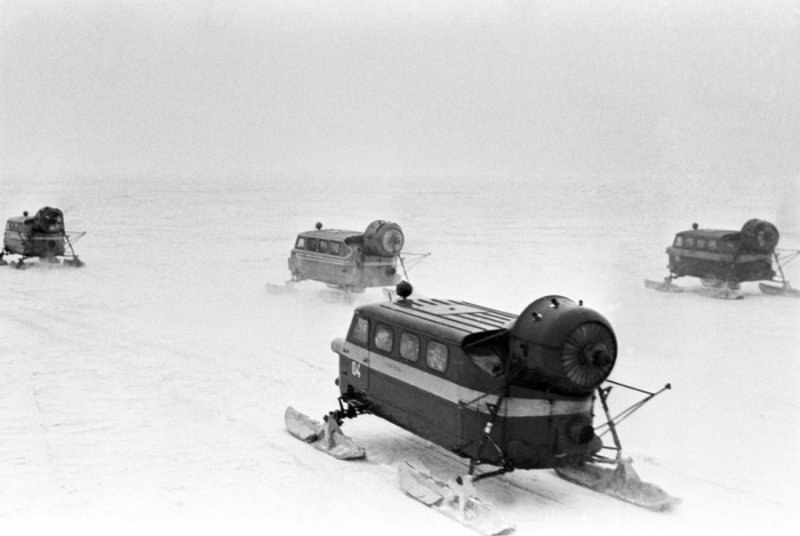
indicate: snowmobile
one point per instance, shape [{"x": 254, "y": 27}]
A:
[
  {"x": 724, "y": 259},
  {"x": 40, "y": 236},
  {"x": 511, "y": 392}
]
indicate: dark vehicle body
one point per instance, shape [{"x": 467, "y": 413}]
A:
[
  {"x": 442, "y": 369},
  {"x": 718, "y": 255},
  {"x": 513, "y": 392},
  {"x": 39, "y": 236}
]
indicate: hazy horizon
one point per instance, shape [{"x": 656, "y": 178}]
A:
[{"x": 392, "y": 88}]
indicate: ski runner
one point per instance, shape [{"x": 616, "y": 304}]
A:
[{"x": 462, "y": 491}]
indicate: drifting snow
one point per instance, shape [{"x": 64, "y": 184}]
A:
[{"x": 146, "y": 391}]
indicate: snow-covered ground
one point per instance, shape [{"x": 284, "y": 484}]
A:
[{"x": 144, "y": 393}]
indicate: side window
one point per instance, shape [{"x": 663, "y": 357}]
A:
[
  {"x": 384, "y": 338},
  {"x": 301, "y": 243},
  {"x": 409, "y": 347},
  {"x": 701, "y": 243},
  {"x": 323, "y": 246},
  {"x": 334, "y": 248},
  {"x": 360, "y": 331},
  {"x": 689, "y": 242},
  {"x": 436, "y": 356},
  {"x": 678, "y": 241},
  {"x": 712, "y": 244},
  {"x": 312, "y": 244}
]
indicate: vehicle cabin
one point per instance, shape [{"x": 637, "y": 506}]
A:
[
  {"x": 434, "y": 366},
  {"x": 718, "y": 255},
  {"x": 350, "y": 260},
  {"x": 328, "y": 242}
]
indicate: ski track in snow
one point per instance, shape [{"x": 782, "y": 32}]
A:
[{"x": 145, "y": 392}]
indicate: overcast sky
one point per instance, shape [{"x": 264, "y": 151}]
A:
[{"x": 400, "y": 87}]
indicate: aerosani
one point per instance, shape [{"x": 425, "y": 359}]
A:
[
  {"x": 724, "y": 259},
  {"x": 505, "y": 392},
  {"x": 351, "y": 260},
  {"x": 40, "y": 236}
]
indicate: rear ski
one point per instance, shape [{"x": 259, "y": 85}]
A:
[
  {"x": 326, "y": 437},
  {"x": 621, "y": 482},
  {"x": 784, "y": 290},
  {"x": 455, "y": 499},
  {"x": 782, "y": 258}
]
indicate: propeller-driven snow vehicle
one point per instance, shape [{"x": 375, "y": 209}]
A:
[
  {"x": 501, "y": 390},
  {"x": 723, "y": 259},
  {"x": 40, "y": 236},
  {"x": 351, "y": 260}
]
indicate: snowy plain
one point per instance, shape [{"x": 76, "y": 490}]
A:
[{"x": 144, "y": 393}]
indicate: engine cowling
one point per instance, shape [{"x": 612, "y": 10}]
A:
[
  {"x": 48, "y": 220},
  {"x": 759, "y": 235},
  {"x": 383, "y": 238},
  {"x": 559, "y": 346}
]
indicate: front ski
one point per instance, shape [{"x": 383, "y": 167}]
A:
[
  {"x": 455, "y": 500},
  {"x": 622, "y": 482},
  {"x": 326, "y": 437},
  {"x": 663, "y": 286},
  {"x": 274, "y": 288}
]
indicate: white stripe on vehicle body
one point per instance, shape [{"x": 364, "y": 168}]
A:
[{"x": 457, "y": 394}]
